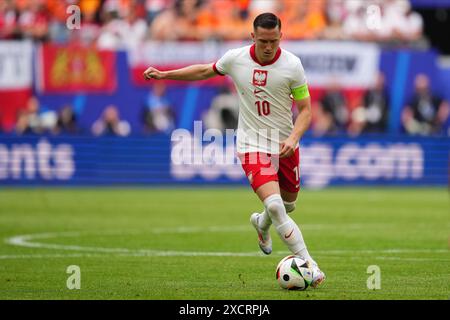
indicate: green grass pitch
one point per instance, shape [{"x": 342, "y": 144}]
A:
[{"x": 198, "y": 243}]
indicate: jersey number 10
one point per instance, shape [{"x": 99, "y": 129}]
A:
[{"x": 263, "y": 108}]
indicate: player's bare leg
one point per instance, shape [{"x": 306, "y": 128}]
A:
[{"x": 289, "y": 199}]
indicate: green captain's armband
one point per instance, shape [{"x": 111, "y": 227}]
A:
[{"x": 301, "y": 92}]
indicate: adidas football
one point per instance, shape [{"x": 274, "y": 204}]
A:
[{"x": 293, "y": 273}]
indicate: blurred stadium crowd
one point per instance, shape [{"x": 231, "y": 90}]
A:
[
  {"x": 117, "y": 23},
  {"x": 424, "y": 114}
]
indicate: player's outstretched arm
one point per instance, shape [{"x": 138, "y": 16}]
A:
[
  {"x": 190, "y": 73},
  {"x": 302, "y": 123}
]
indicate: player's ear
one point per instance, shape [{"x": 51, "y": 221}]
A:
[{"x": 253, "y": 36}]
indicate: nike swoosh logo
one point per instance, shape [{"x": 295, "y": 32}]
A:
[
  {"x": 257, "y": 91},
  {"x": 287, "y": 236}
]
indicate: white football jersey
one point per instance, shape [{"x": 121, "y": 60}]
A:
[{"x": 265, "y": 101}]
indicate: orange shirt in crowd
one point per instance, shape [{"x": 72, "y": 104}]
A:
[{"x": 302, "y": 19}]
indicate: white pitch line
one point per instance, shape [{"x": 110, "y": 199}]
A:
[
  {"x": 194, "y": 254},
  {"x": 394, "y": 250},
  {"x": 412, "y": 259},
  {"x": 25, "y": 241},
  {"x": 28, "y": 241},
  {"x": 46, "y": 256}
]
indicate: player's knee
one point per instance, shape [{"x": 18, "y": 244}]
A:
[
  {"x": 275, "y": 207},
  {"x": 289, "y": 206}
]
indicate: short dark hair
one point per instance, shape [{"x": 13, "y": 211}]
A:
[{"x": 267, "y": 21}]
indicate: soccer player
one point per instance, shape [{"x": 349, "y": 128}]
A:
[{"x": 267, "y": 79}]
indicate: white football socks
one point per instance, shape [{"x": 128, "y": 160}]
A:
[
  {"x": 265, "y": 222},
  {"x": 286, "y": 228},
  {"x": 290, "y": 206}
]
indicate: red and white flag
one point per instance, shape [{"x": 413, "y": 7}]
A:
[{"x": 15, "y": 80}]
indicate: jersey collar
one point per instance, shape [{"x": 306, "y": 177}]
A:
[{"x": 253, "y": 55}]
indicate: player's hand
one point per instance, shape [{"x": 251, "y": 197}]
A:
[
  {"x": 287, "y": 147},
  {"x": 153, "y": 73}
]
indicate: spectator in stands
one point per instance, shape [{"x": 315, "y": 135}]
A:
[
  {"x": 183, "y": 14},
  {"x": 426, "y": 113},
  {"x": 244, "y": 9},
  {"x": 129, "y": 21},
  {"x": 91, "y": 7},
  {"x": 133, "y": 30},
  {"x": 335, "y": 13},
  {"x": 109, "y": 36},
  {"x": 392, "y": 14},
  {"x": 90, "y": 28},
  {"x": 355, "y": 24},
  {"x": 257, "y": 7},
  {"x": 33, "y": 20},
  {"x": 372, "y": 116},
  {"x": 158, "y": 115},
  {"x": 120, "y": 33},
  {"x": 232, "y": 24},
  {"x": 383, "y": 21},
  {"x": 303, "y": 19},
  {"x": 90, "y": 24},
  {"x": 29, "y": 120},
  {"x": 333, "y": 102},
  {"x": 224, "y": 110},
  {"x": 322, "y": 121},
  {"x": 407, "y": 25},
  {"x": 67, "y": 121},
  {"x": 22, "y": 123},
  {"x": 110, "y": 124},
  {"x": 154, "y": 8},
  {"x": 8, "y": 20},
  {"x": 119, "y": 8}
]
